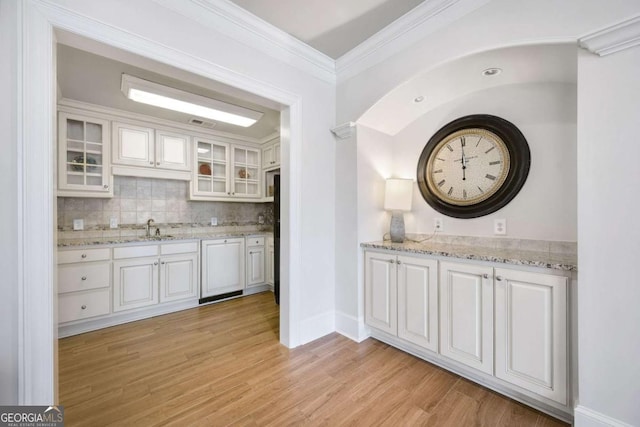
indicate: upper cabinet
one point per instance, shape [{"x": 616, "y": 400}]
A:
[
  {"x": 83, "y": 156},
  {"x": 153, "y": 153},
  {"x": 225, "y": 172},
  {"x": 271, "y": 155}
]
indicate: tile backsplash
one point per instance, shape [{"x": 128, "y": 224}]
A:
[{"x": 136, "y": 200}]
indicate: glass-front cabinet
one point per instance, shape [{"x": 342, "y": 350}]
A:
[
  {"x": 225, "y": 171},
  {"x": 83, "y": 156}
]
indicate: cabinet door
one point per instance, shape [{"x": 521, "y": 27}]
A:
[
  {"x": 418, "y": 301},
  {"x": 133, "y": 145},
  {"x": 466, "y": 321},
  {"x": 531, "y": 332},
  {"x": 276, "y": 155},
  {"x": 172, "y": 151},
  {"x": 380, "y": 292},
  {"x": 270, "y": 260},
  {"x": 83, "y": 156},
  {"x": 135, "y": 283},
  {"x": 211, "y": 173},
  {"x": 178, "y": 277},
  {"x": 223, "y": 267},
  {"x": 255, "y": 265},
  {"x": 268, "y": 157},
  {"x": 245, "y": 172}
]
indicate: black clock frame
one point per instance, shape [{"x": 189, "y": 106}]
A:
[{"x": 520, "y": 161}]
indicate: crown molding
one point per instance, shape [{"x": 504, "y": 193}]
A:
[
  {"x": 615, "y": 38},
  {"x": 421, "y": 21},
  {"x": 344, "y": 131},
  {"x": 232, "y": 20}
]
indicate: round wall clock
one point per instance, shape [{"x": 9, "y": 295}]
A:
[{"x": 473, "y": 166}]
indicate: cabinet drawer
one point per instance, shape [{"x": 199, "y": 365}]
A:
[
  {"x": 135, "y": 251},
  {"x": 178, "y": 248},
  {"x": 80, "y": 277},
  {"x": 255, "y": 241},
  {"x": 81, "y": 305},
  {"x": 84, "y": 255}
]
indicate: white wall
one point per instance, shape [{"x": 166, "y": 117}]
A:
[
  {"x": 9, "y": 206},
  {"x": 609, "y": 235},
  {"x": 545, "y": 208}
]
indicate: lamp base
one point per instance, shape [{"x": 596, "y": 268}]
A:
[{"x": 396, "y": 229}]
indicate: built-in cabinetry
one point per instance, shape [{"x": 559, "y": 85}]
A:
[
  {"x": 255, "y": 260},
  {"x": 140, "y": 150},
  {"x": 225, "y": 171},
  {"x": 223, "y": 266},
  {"x": 505, "y": 327},
  {"x": 270, "y": 261},
  {"x": 271, "y": 154},
  {"x": 83, "y": 156},
  {"x": 99, "y": 287}
]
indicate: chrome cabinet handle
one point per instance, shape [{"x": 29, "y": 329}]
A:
[
  {"x": 83, "y": 256},
  {"x": 84, "y": 277},
  {"x": 84, "y": 307},
  {"x": 225, "y": 241},
  {"x": 150, "y": 163},
  {"x": 106, "y": 187},
  {"x": 499, "y": 278},
  {"x": 155, "y": 263},
  {"x": 391, "y": 261},
  {"x": 158, "y": 163},
  {"x": 398, "y": 262},
  {"x": 485, "y": 276}
]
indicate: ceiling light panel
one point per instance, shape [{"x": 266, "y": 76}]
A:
[{"x": 158, "y": 95}]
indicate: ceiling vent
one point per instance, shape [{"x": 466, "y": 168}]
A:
[{"x": 201, "y": 123}]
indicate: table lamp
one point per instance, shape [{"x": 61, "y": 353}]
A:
[{"x": 397, "y": 199}]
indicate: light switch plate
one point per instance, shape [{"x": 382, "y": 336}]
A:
[
  {"x": 499, "y": 226},
  {"x": 78, "y": 224},
  {"x": 113, "y": 222},
  {"x": 214, "y": 220}
]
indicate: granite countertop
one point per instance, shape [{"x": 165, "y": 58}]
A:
[
  {"x": 534, "y": 255},
  {"x": 99, "y": 239}
]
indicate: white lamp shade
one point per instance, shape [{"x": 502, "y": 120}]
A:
[{"x": 398, "y": 194}]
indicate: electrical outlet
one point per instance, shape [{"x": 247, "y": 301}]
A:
[
  {"x": 260, "y": 219},
  {"x": 78, "y": 224},
  {"x": 499, "y": 226},
  {"x": 113, "y": 222},
  {"x": 438, "y": 224},
  {"x": 214, "y": 220}
]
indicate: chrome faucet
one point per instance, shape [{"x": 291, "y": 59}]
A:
[{"x": 149, "y": 222}]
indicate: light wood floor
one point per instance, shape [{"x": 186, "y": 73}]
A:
[{"x": 222, "y": 364}]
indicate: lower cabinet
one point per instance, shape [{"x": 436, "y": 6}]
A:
[
  {"x": 466, "y": 320},
  {"x": 223, "y": 266},
  {"x": 255, "y": 257},
  {"x": 270, "y": 262},
  {"x": 531, "y": 332},
  {"x": 178, "y": 277},
  {"x": 135, "y": 283},
  {"x": 508, "y": 324}
]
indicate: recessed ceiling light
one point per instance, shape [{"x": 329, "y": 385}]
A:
[
  {"x": 491, "y": 72},
  {"x": 418, "y": 99}
]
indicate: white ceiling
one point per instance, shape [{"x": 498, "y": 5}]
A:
[
  {"x": 95, "y": 79},
  {"x": 333, "y": 27},
  {"x": 520, "y": 65}
]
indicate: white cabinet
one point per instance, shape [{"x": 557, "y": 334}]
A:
[
  {"x": 225, "y": 172},
  {"x": 255, "y": 260},
  {"x": 401, "y": 297},
  {"x": 418, "y": 301},
  {"x": 154, "y": 153},
  {"x": 270, "y": 261},
  {"x": 83, "y": 156},
  {"x": 531, "y": 332},
  {"x": 135, "y": 283},
  {"x": 223, "y": 266},
  {"x": 84, "y": 284},
  {"x": 152, "y": 274},
  {"x": 178, "y": 277},
  {"x": 381, "y": 292},
  {"x": 466, "y": 321},
  {"x": 271, "y": 155}
]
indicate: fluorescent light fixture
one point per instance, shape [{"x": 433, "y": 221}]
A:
[{"x": 158, "y": 95}]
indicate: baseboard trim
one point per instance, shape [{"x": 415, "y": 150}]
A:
[
  {"x": 317, "y": 326},
  {"x": 351, "y": 327},
  {"x": 585, "y": 417}
]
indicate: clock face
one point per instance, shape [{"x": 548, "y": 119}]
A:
[
  {"x": 468, "y": 166},
  {"x": 473, "y": 166}
]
